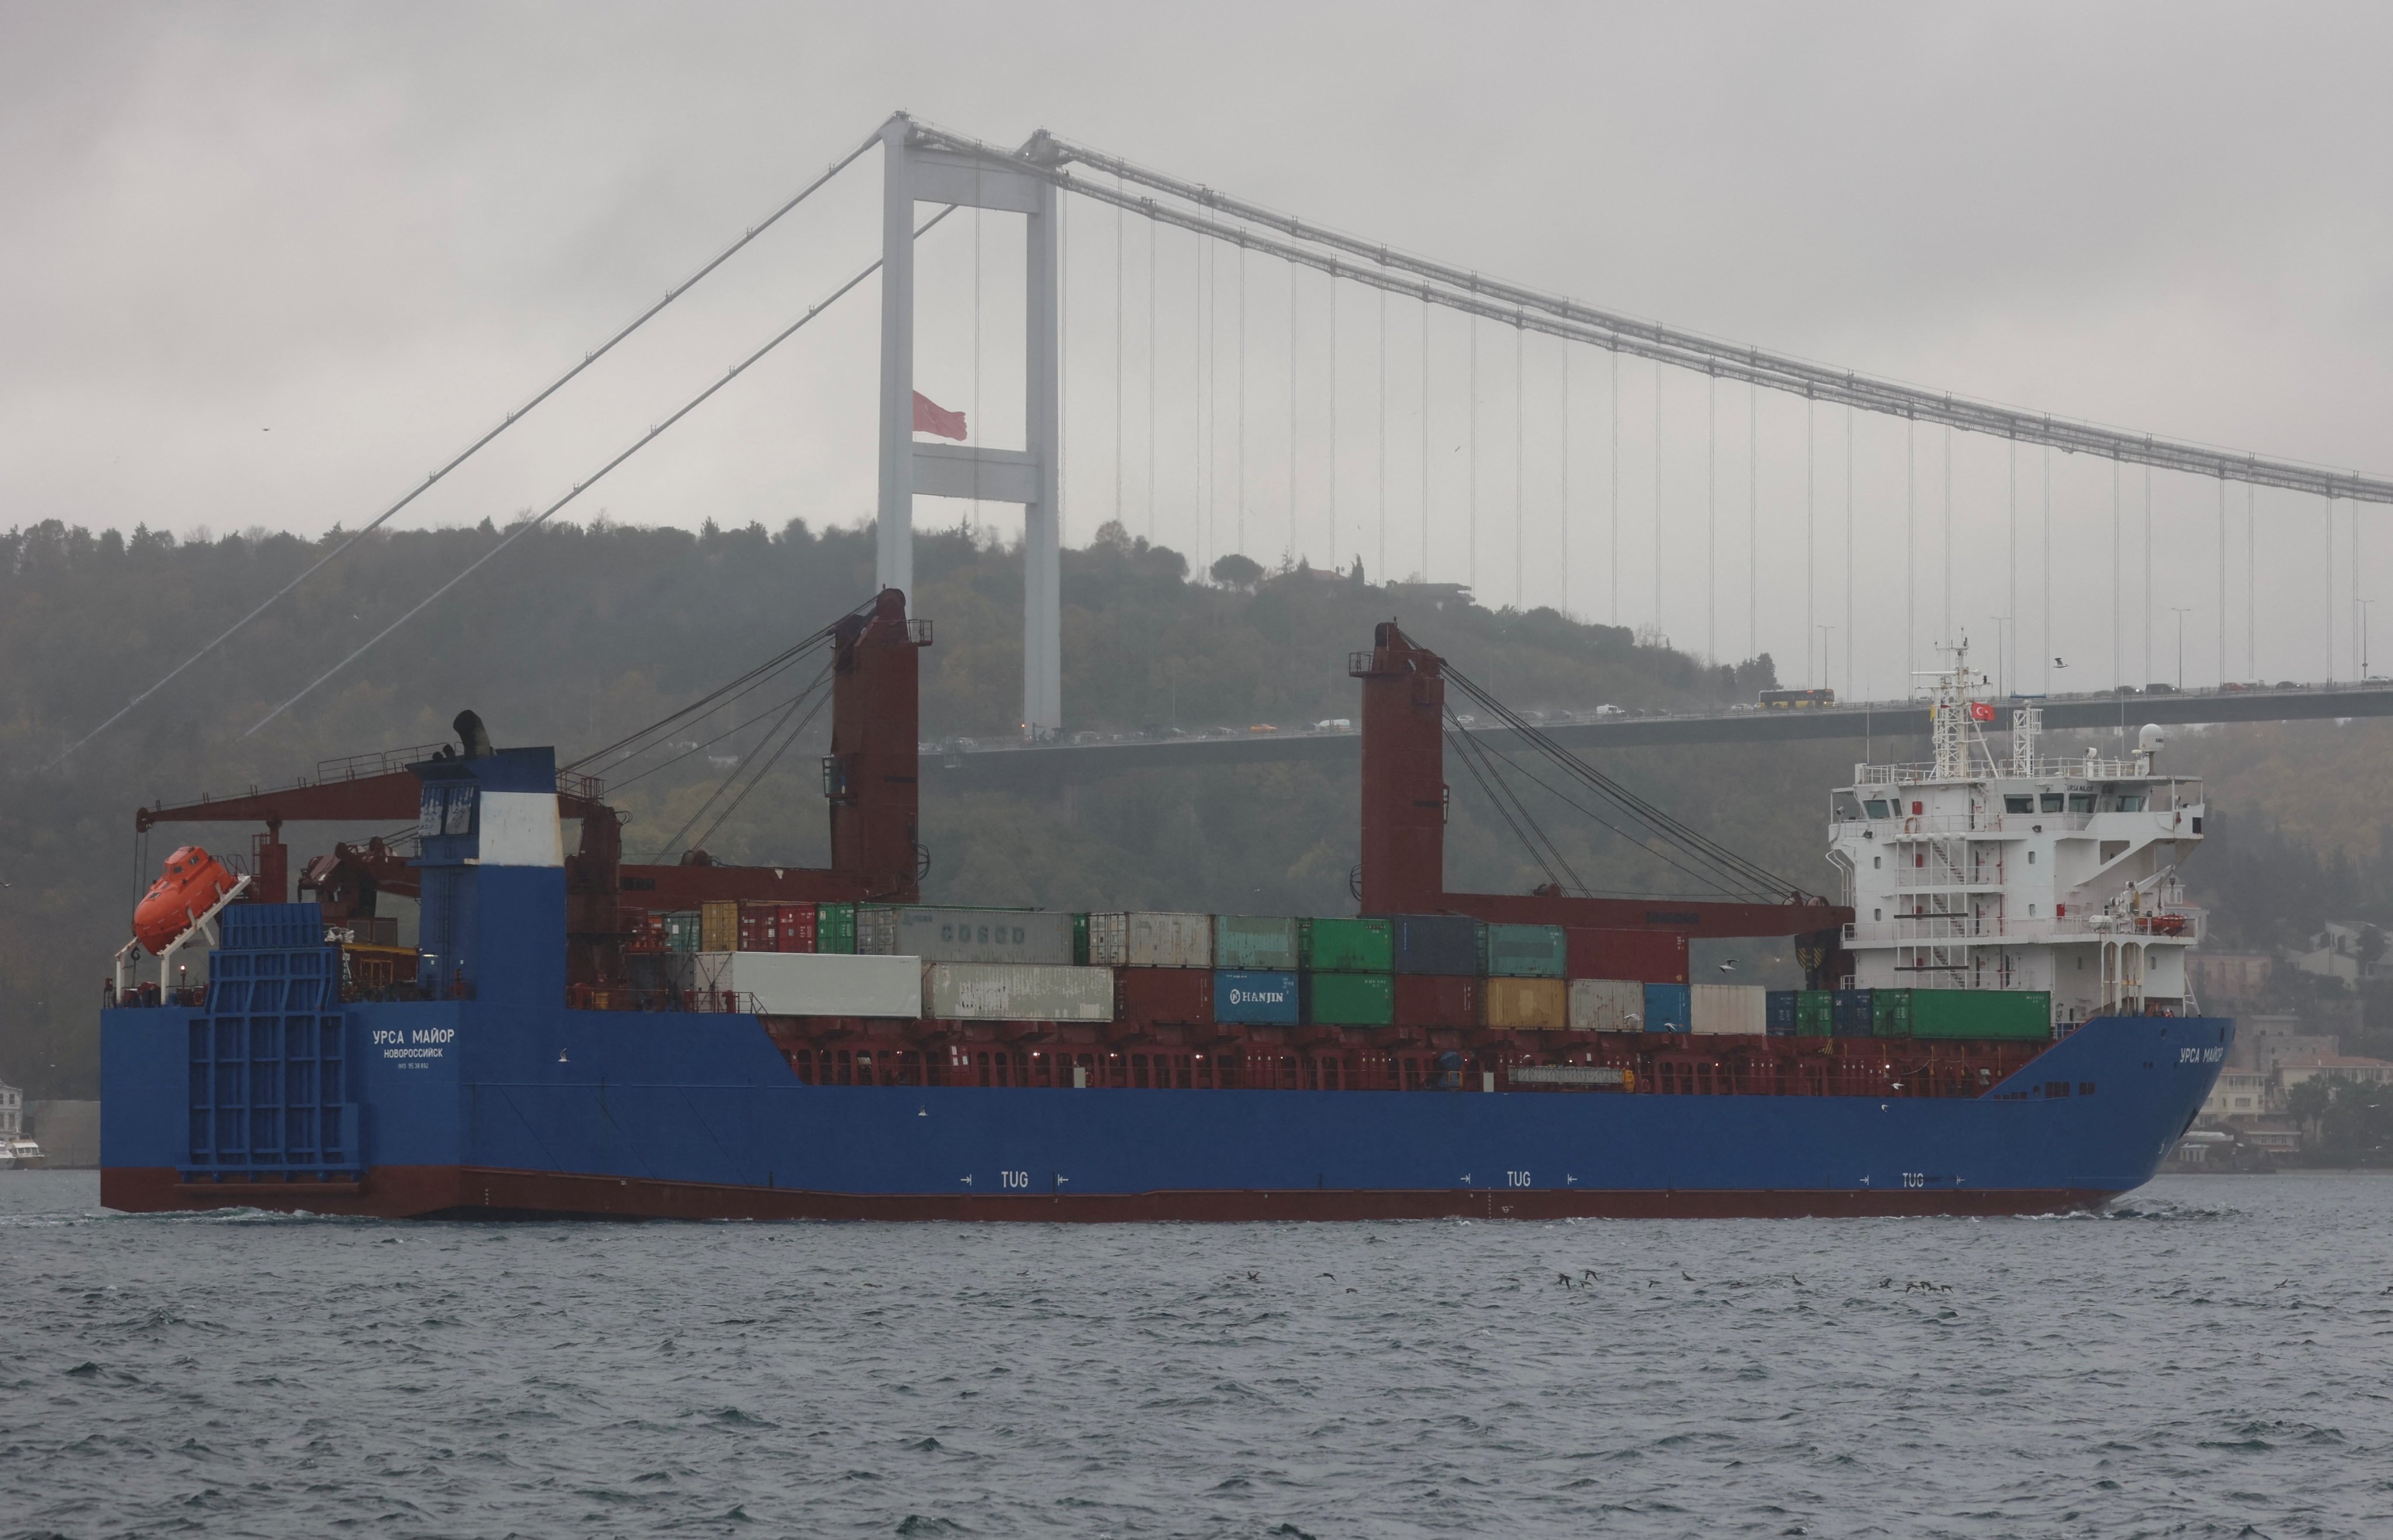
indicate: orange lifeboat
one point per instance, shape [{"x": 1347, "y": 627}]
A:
[{"x": 193, "y": 881}]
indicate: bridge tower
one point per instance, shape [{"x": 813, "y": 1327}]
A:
[{"x": 914, "y": 173}]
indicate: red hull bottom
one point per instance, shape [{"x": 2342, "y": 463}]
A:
[{"x": 464, "y": 1192}]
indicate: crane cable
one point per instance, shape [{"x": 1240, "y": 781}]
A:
[
  {"x": 471, "y": 449},
  {"x": 721, "y": 695},
  {"x": 527, "y": 525},
  {"x": 724, "y": 784}
]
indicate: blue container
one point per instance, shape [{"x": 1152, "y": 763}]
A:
[
  {"x": 271, "y": 927},
  {"x": 1255, "y": 998},
  {"x": 1779, "y": 1020},
  {"x": 1447, "y": 943},
  {"x": 1851, "y": 1011},
  {"x": 1670, "y": 1008}
]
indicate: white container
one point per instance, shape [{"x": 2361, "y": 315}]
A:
[
  {"x": 965, "y": 935},
  {"x": 1016, "y": 992},
  {"x": 1150, "y": 939},
  {"x": 1730, "y": 1009},
  {"x": 1607, "y": 1005},
  {"x": 815, "y": 984}
]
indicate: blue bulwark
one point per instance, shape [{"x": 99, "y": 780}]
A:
[
  {"x": 270, "y": 1065},
  {"x": 271, "y": 927}
]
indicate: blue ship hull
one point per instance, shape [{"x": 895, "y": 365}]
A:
[{"x": 472, "y": 1107}]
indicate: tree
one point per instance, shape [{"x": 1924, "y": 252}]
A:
[{"x": 1237, "y": 572}]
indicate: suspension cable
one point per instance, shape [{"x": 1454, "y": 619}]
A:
[
  {"x": 580, "y": 487},
  {"x": 471, "y": 449}
]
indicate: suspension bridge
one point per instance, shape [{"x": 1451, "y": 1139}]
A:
[{"x": 1231, "y": 380}]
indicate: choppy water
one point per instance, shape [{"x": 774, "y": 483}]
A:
[{"x": 2216, "y": 1358}]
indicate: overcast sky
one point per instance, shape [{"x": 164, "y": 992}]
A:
[{"x": 268, "y": 265}]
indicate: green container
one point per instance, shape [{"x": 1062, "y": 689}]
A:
[
  {"x": 1891, "y": 1012},
  {"x": 1815, "y": 1013},
  {"x": 1349, "y": 946},
  {"x": 1079, "y": 940},
  {"x": 1524, "y": 952},
  {"x": 1256, "y": 943},
  {"x": 1350, "y": 999},
  {"x": 2012, "y": 1016},
  {"x": 835, "y": 928},
  {"x": 681, "y": 931}
]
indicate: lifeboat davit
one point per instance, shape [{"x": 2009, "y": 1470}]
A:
[{"x": 192, "y": 883}]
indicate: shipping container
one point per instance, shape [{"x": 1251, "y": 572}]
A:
[
  {"x": 1150, "y": 939},
  {"x": 1436, "y": 944},
  {"x": 1348, "y": 946},
  {"x": 835, "y": 927},
  {"x": 1256, "y": 997},
  {"x": 1607, "y": 1005},
  {"x": 2016, "y": 1015},
  {"x": 1080, "y": 940},
  {"x": 718, "y": 925},
  {"x": 1017, "y": 991},
  {"x": 1649, "y": 956},
  {"x": 1526, "y": 1004},
  {"x": 1891, "y": 1012},
  {"x": 1524, "y": 952},
  {"x": 1815, "y": 1013},
  {"x": 1778, "y": 1013},
  {"x": 1728, "y": 1009},
  {"x": 1668, "y": 1008},
  {"x": 793, "y": 928},
  {"x": 1350, "y": 999},
  {"x": 1176, "y": 997},
  {"x": 681, "y": 931},
  {"x": 1036, "y": 937},
  {"x": 1851, "y": 1013},
  {"x": 1256, "y": 943},
  {"x": 1436, "y": 999},
  {"x": 805, "y": 983}
]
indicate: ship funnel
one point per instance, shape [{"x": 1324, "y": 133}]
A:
[{"x": 473, "y": 736}]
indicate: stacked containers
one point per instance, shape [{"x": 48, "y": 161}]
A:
[
  {"x": 1347, "y": 945},
  {"x": 1815, "y": 1013},
  {"x": 1659, "y": 956},
  {"x": 1031, "y": 936},
  {"x": 835, "y": 927},
  {"x": 1347, "y": 979},
  {"x": 1525, "y": 952},
  {"x": 1150, "y": 940},
  {"x": 1668, "y": 1008},
  {"x": 793, "y": 928},
  {"x": 1257, "y": 943},
  {"x": 1527, "y": 1004},
  {"x": 1350, "y": 999},
  {"x": 1256, "y": 997},
  {"x": 681, "y": 931},
  {"x": 1851, "y": 1013},
  {"x": 718, "y": 925},
  {"x": 1437, "y": 999},
  {"x": 1891, "y": 1012},
  {"x": 1447, "y": 943},
  {"x": 1778, "y": 1013},
  {"x": 1734, "y": 1009},
  {"x": 1017, "y": 991},
  {"x": 1606, "y": 1005},
  {"x": 2016, "y": 1015},
  {"x": 1178, "y": 997}
]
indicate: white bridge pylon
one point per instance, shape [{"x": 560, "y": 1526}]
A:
[{"x": 914, "y": 173}]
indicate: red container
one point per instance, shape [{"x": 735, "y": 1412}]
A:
[
  {"x": 1437, "y": 999},
  {"x": 647, "y": 930},
  {"x": 756, "y": 928},
  {"x": 1648, "y": 957},
  {"x": 1178, "y": 997},
  {"x": 793, "y": 928}
]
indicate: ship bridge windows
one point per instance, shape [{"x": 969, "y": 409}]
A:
[
  {"x": 2018, "y": 804},
  {"x": 2130, "y": 801},
  {"x": 2052, "y": 801},
  {"x": 2081, "y": 802},
  {"x": 1878, "y": 807}
]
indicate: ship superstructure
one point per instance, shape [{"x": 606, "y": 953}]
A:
[{"x": 1994, "y": 865}]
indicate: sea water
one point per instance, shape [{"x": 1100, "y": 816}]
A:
[{"x": 2212, "y": 1356}]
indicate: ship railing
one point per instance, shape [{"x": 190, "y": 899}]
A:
[
  {"x": 2177, "y": 922},
  {"x": 355, "y": 767},
  {"x": 2004, "y": 769}
]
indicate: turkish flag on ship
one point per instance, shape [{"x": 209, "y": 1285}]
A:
[
  {"x": 1981, "y": 711},
  {"x": 931, "y": 417}
]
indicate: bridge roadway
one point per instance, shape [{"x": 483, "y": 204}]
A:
[{"x": 1021, "y": 768}]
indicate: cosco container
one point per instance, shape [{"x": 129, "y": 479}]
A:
[
  {"x": 1150, "y": 939},
  {"x": 1606, "y": 1005},
  {"x": 1668, "y": 1008},
  {"x": 718, "y": 925},
  {"x": 807, "y": 984},
  {"x": 1524, "y": 952},
  {"x": 1348, "y": 946},
  {"x": 1728, "y": 1009},
  {"x": 1652, "y": 957},
  {"x": 835, "y": 927},
  {"x": 1436, "y": 999},
  {"x": 2017, "y": 1015},
  {"x": 1170, "y": 996},
  {"x": 1851, "y": 1013},
  {"x": 1039, "y": 938},
  {"x": 1526, "y": 1005},
  {"x": 1017, "y": 991},
  {"x": 1255, "y": 942},
  {"x": 681, "y": 930},
  {"x": 1436, "y": 944},
  {"x": 1255, "y": 997},
  {"x": 1350, "y": 999}
]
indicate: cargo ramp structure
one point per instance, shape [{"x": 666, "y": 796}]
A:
[{"x": 575, "y": 1035}]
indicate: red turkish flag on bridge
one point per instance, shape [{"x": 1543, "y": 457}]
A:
[
  {"x": 931, "y": 417},
  {"x": 1981, "y": 711}
]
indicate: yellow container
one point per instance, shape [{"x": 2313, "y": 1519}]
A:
[
  {"x": 718, "y": 925},
  {"x": 1527, "y": 1004}
]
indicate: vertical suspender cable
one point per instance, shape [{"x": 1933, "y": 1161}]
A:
[
  {"x": 1063, "y": 360},
  {"x": 2222, "y": 579},
  {"x": 1566, "y": 486},
  {"x": 1850, "y": 686},
  {"x": 1471, "y": 564},
  {"x": 1333, "y": 424},
  {"x": 977, "y": 331},
  {"x": 2118, "y": 667},
  {"x": 1290, "y": 549},
  {"x": 1753, "y": 521},
  {"x": 2326, "y": 595},
  {"x": 1423, "y": 574},
  {"x": 1207, "y": 408},
  {"x": 2149, "y": 559},
  {"x": 1810, "y": 546},
  {"x": 2359, "y": 622},
  {"x": 1657, "y": 497},
  {"x": 2044, "y": 605},
  {"x": 1242, "y": 400},
  {"x": 1910, "y": 551},
  {"x": 1381, "y": 445},
  {"x": 1119, "y": 232},
  {"x": 2010, "y": 573},
  {"x": 1711, "y": 518},
  {"x": 1520, "y": 471},
  {"x": 2251, "y": 583},
  {"x": 1154, "y": 233},
  {"x": 1951, "y": 634},
  {"x": 1611, "y": 507}
]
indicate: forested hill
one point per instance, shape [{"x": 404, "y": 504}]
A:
[{"x": 575, "y": 635}]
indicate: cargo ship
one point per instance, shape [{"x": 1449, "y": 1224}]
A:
[{"x": 1997, "y": 1020}]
